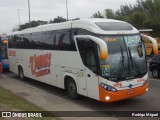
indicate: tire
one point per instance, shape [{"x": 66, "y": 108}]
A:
[
  {"x": 72, "y": 89},
  {"x": 155, "y": 73},
  {"x": 21, "y": 73}
]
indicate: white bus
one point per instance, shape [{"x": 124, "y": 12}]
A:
[{"x": 103, "y": 59}]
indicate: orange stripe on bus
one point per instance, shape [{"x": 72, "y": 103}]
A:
[{"x": 120, "y": 95}]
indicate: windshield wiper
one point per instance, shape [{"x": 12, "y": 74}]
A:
[
  {"x": 133, "y": 60},
  {"x": 122, "y": 57},
  {"x": 122, "y": 65},
  {"x": 130, "y": 56}
]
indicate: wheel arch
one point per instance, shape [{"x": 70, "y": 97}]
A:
[
  {"x": 19, "y": 66},
  {"x": 66, "y": 78}
]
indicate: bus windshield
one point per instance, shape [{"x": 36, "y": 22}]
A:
[{"x": 127, "y": 58}]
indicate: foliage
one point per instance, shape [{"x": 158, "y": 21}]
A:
[
  {"x": 31, "y": 24},
  {"x": 58, "y": 20},
  {"x": 37, "y": 23},
  {"x": 109, "y": 13},
  {"x": 145, "y": 14},
  {"x": 97, "y": 15}
]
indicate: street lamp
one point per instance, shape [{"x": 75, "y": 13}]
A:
[
  {"x": 19, "y": 16},
  {"x": 67, "y": 9},
  {"x": 29, "y": 13}
]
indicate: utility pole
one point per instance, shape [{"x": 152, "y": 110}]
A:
[
  {"x": 67, "y": 9},
  {"x": 29, "y": 13},
  {"x": 19, "y": 16}
]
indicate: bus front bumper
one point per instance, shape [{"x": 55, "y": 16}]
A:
[{"x": 108, "y": 96}]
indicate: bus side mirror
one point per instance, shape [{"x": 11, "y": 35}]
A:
[
  {"x": 154, "y": 43},
  {"x": 102, "y": 45},
  {"x": 103, "y": 48}
]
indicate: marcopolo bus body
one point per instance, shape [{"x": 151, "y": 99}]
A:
[{"x": 103, "y": 59}]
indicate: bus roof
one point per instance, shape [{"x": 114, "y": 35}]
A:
[
  {"x": 95, "y": 25},
  {"x": 145, "y": 30}
]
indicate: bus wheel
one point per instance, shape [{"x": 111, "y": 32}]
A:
[
  {"x": 72, "y": 89},
  {"x": 21, "y": 74},
  {"x": 155, "y": 73}
]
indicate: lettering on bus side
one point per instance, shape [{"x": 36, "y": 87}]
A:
[
  {"x": 40, "y": 64},
  {"x": 12, "y": 53}
]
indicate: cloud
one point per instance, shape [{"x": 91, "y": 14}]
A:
[{"x": 49, "y": 9}]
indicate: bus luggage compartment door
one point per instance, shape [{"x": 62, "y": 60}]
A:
[{"x": 82, "y": 83}]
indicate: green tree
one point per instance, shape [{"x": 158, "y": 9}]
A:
[
  {"x": 137, "y": 20},
  {"x": 97, "y": 15},
  {"x": 28, "y": 25},
  {"x": 145, "y": 14},
  {"x": 109, "y": 13},
  {"x": 153, "y": 24},
  {"x": 153, "y": 7},
  {"x": 15, "y": 28},
  {"x": 58, "y": 20}
]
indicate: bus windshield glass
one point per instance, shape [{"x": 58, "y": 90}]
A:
[{"x": 127, "y": 58}]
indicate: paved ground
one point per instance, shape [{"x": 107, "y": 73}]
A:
[
  {"x": 54, "y": 99},
  {"x": 40, "y": 97}
]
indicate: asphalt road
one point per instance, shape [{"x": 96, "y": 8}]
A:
[{"x": 148, "y": 102}]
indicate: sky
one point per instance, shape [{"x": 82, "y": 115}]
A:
[{"x": 49, "y": 9}]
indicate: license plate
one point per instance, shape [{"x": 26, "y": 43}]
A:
[{"x": 130, "y": 92}]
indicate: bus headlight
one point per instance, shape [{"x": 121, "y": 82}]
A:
[
  {"x": 108, "y": 87},
  {"x": 107, "y": 98}
]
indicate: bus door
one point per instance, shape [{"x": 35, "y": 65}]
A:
[{"x": 87, "y": 76}]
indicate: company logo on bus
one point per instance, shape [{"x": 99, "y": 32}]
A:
[
  {"x": 130, "y": 85},
  {"x": 40, "y": 64},
  {"x": 12, "y": 53},
  {"x": 140, "y": 80},
  {"x": 119, "y": 84}
]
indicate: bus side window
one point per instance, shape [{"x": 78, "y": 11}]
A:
[
  {"x": 61, "y": 44},
  {"x": 26, "y": 43},
  {"x": 64, "y": 41},
  {"x": 29, "y": 42},
  {"x": 14, "y": 40},
  {"x": 10, "y": 41},
  {"x": 72, "y": 42},
  {"x": 47, "y": 40},
  {"x": 36, "y": 39},
  {"x": 19, "y": 42},
  {"x": 55, "y": 43}
]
